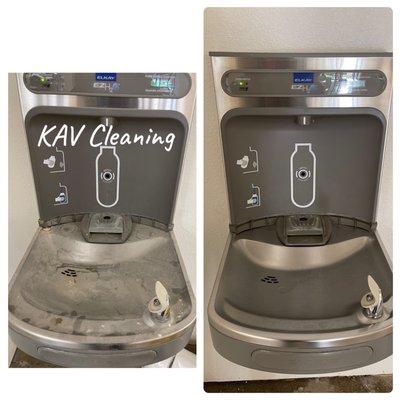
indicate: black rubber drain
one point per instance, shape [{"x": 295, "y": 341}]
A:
[
  {"x": 270, "y": 279},
  {"x": 69, "y": 272}
]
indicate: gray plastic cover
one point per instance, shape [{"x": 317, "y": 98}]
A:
[
  {"x": 275, "y": 166},
  {"x": 106, "y": 160},
  {"x": 110, "y": 359}
]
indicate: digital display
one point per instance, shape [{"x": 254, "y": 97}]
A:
[
  {"x": 353, "y": 80},
  {"x": 162, "y": 82},
  {"x": 359, "y": 84},
  {"x": 106, "y": 76},
  {"x": 303, "y": 77}
]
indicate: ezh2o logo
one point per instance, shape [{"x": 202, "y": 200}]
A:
[{"x": 106, "y": 81}]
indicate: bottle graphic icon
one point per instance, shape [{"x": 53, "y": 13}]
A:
[
  {"x": 107, "y": 176},
  {"x": 302, "y": 175}
]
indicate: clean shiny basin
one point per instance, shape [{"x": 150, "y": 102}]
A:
[
  {"x": 298, "y": 300},
  {"x": 70, "y": 295}
]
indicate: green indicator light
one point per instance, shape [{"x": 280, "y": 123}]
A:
[{"x": 42, "y": 79}]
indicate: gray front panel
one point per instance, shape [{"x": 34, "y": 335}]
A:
[
  {"x": 275, "y": 166},
  {"x": 108, "y": 160},
  {"x": 301, "y": 361}
]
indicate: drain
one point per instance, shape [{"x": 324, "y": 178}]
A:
[
  {"x": 270, "y": 279},
  {"x": 69, "y": 272},
  {"x": 84, "y": 271}
]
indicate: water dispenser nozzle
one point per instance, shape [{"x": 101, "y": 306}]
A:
[{"x": 159, "y": 306}]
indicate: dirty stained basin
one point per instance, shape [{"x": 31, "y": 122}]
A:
[
  {"x": 75, "y": 303},
  {"x": 297, "y": 309}
]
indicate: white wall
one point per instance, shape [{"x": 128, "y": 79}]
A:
[
  {"x": 23, "y": 210},
  {"x": 278, "y": 30}
]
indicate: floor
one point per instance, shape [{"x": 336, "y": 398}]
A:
[
  {"x": 23, "y": 360},
  {"x": 342, "y": 384},
  {"x": 351, "y": 384}
]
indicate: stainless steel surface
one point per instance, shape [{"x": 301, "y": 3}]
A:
[
  {"x": 106, "y": 304},
  {"x": 29, "y": 100},
  {"x": 300, "y": 63}
]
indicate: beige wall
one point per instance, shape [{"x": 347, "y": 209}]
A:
[
  {"x": 23, "y": 211},
  {"x": 278, "y": 30}
]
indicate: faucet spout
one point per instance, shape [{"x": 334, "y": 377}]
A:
[
  {"x": 159, "y": 306},
  {"x": 372, "y": 302}
]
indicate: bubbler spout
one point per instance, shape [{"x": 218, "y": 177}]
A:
[
  {"x": 372, "y": 302},
  {"x": 159, "y": 306}
]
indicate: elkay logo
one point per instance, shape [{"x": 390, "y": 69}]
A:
[
  {"x": 303, "y": 77},
  {"x": 106, "y": 76},
  {"x": 106, "y": 81}
]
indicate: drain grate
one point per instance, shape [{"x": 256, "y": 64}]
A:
[
  {"x": 270, "y": 279},
  {"x": 69, "y": 272}
]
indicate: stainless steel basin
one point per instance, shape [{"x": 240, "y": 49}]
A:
[
  {"x": 300, "y": 302},
  {"x": 84, "y": 304}
]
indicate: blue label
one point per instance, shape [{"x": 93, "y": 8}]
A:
[
  {"x": 303, "y": 77},
  {"x": 106, "y": 76}
]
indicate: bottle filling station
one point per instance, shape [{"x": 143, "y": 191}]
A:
[
  {"x": 103, "y": 283},
  {"x": 304, "y": 285}
]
